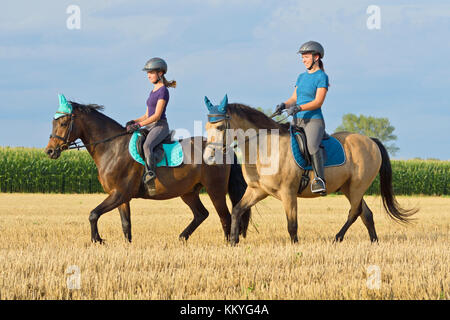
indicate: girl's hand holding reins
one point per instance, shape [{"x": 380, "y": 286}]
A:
[
  {"x": 129, "y": 123},
  {"x": 293, "y": 110},
  {"x": 133, "y": 127},
  {"x": 279, "y": 108}
]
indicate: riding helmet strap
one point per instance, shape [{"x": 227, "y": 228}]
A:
[{"x": 312, "y": 64}]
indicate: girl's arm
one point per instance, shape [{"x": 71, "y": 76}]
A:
[
  {"x": 317, "y": 102},
  {"x": 157, "y": 115},
  {"x": 292, "y": 100}
]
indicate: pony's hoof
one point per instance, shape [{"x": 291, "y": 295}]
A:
[
  {"x": 98, "y": 241},
  {"x": 183, "y": 239}
]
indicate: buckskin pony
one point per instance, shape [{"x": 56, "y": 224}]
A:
[{"x": 364, "y": 158}]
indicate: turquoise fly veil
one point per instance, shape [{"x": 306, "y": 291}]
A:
[
  {"x": 64, "y": 107},
  {"x": 217, "y": 113}
]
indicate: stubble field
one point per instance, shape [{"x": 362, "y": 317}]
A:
[{"x": 45, "y": 250}]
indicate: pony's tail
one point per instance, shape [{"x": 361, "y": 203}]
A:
[
  {"x": 390, "y": 204},
  {"x": 236, "y": 189}
]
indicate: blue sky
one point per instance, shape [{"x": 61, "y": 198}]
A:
[{"x": 246, "y": 49}]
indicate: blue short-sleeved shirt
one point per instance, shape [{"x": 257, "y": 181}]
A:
[
  {"x": 307, "y": 84},
  {"x": 161, "y": 93}
]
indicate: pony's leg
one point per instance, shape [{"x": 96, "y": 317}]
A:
[
  {"x": 111, "y": 202},
  {"x": 220, "y": 204},
  {"x": 367, "y": 218},
  {"x": 290, "y": 207},
  {"x": 198, "y": 209},
  {"x": 124, "y": 210},
  {"x": 354, "y": 196},
  {"x": 249, "y": 199}
]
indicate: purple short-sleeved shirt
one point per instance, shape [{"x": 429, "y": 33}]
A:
[{"x": 161, "y": 93}]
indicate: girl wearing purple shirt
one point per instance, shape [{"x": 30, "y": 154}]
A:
[{"x": 155, "y": 118}]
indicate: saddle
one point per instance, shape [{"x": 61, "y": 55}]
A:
[
  {"x": 159, "y": 152},
  {"x": 300, "y": 136},
  {"x": 332, "y": 150}
]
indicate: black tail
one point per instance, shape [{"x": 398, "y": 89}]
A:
[
  {"x": 391, "y": 205},
  {"x": 236, "y": 189}
]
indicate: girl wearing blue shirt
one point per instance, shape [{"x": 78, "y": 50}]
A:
[{"x": 305, "y": 105}]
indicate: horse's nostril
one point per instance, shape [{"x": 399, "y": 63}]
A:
[{"x": 50, "y": 152}]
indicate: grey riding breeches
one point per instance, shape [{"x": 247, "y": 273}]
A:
[
  {"x": 314, "y": 130},
  {"x": 157, "y": 132}
]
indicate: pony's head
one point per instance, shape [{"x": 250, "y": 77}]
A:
[
  {"x": 63, "y": 131},
  {"x": 215, "y": 128}
]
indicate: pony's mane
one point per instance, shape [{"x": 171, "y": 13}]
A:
[
  {"x": 93, "y": 109},
  {"x": 257, "y": 117},
  {"x": 86, "y": 108}
]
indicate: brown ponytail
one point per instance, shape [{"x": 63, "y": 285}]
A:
[
  {"x": 321, "y": 65},
  {"x": 169, "y": 84}
]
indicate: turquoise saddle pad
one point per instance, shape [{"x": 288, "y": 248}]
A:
[
  {"x": 335, "y": 155},
  {"x": 173, "y": 152}
]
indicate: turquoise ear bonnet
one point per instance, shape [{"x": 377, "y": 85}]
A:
[
  {"x": 218, "y": 113},
  {"x": 64, "y": 107}
]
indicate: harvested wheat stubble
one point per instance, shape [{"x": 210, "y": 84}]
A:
[{"x": 42, "y": 235}]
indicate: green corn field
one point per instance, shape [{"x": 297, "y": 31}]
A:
[
  {"x": 428, "y": 177},
  {"x": 30, "y": 170}
]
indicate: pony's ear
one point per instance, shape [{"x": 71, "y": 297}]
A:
[
  {"x": 208, "y": 104},
  {"x": 62, "y": 100},
  {"x": 64, "y": 106},
  {"x": 223, "y": 104}
]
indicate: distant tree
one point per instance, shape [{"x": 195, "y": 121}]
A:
[{"x": 370, "y": 126}]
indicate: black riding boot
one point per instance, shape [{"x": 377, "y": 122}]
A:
[
  {"x": 150, "y": 171},
  {"x": 318, "y": 184}
]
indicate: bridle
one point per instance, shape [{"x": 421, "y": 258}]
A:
[
  {"x": 74, "y": 145},
  {"x": 217, "y": 117},
  {"x": 65, "y": 145}
]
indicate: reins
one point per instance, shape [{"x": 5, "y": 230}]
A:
[
  {"x": 74, "y": 144},
  {"x": 227, "y": 118},
  {"x": 277, "y": 114}
]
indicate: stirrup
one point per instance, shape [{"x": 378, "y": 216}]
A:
[
  {"x": 148, "y": 176},
  {"x": 322, "y": 190}
]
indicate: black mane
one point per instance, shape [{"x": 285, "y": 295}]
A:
[
  {"x": 255, "y": 116},
  {"x": 86, "y": 108},
  {"x": 95, "y": 110}
]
